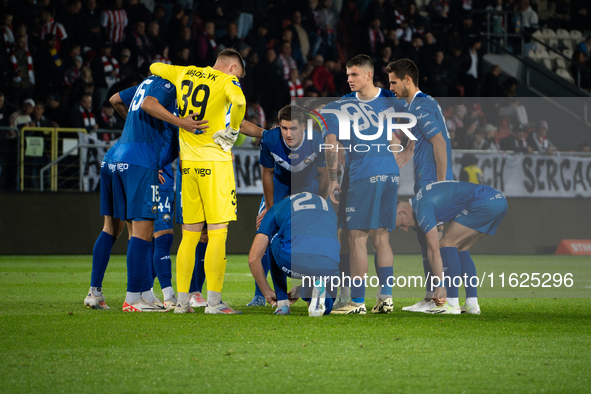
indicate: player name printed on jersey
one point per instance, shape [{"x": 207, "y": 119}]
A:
[{"x": 580, "y": 247}]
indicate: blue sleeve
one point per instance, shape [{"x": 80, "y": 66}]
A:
[
  {"x": 164, "y": 91},
  {"x": 425, "y": 214},
  {"x": 428, "y": 124},
  {"x": 321, "y": 158},
  {"x": 265, "y": 158},
  {"x": 332, "y": 125},
  {"x": 269, "y": 225},
  {"x": 127, "y": 95}
]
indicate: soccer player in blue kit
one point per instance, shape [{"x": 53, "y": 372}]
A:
[
  {"x": 432, "y": 150},
  {"x": 300, "y": 233},
  {"x": 474, "y": 211},
  {"x": 130, "y": 188},
  {"x": 291, "y": 163}
]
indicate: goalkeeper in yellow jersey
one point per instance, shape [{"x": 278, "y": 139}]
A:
[{"x": 208, "y": 193}]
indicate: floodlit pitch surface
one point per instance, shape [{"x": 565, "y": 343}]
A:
[{"x": 49, "y": 342}]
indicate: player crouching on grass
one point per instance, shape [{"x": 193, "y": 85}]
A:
[
  {"x": 474, "y": 211},
  {"x": 302, "y": 233}
]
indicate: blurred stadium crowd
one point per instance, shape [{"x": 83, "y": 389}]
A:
[{"x": 60, "y": 60}]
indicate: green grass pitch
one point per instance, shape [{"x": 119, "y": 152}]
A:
[{"x": 50, "y": 343}]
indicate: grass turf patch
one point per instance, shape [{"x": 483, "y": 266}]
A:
[{"x": 50, "y": 343}]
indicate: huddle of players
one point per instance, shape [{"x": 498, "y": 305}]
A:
[{"x": 295, "y": 236}]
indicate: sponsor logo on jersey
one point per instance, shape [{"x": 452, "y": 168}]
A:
[
  {"x": 236, "y": 83},
  {"x": 293, "y": 156},
  {"x": 419, "y": 107},
  {"x": 396, "y": 179},
  {"x": 112, "y": 167},
  {"x": 202, "y": 171},
  {"x": 421, "y": 116},
  {"x": 428, "y": 123},
  {"x": 419, "y": 195},
  {"x": 185, "y": 171},
  {"x": 154, "y": 208},
  {"x": 167, "y": 87},
  {"x": 122, "y": 167},
  {"x": 166, "y": 217},
  {"x": 350, "y": 209},
  {"x": 307, "y": 161},
  {"x": 465, "y": 211}
]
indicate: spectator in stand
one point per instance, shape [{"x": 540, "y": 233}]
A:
[
  {"x": 561, "y": 15},
  {"x": 472, "y": 65},
  {"x": 105, "y": 70},
  {"x": 126, "y": 68},
  {"x": 49, "y": 71},
  {"x": 114, "y": 21},
  {"x": 323, "y": 79},
  {"x": 375, "y": 37},
  {"x": 478, "y": 140},
  {"x": 206, "y": 45},
  {"x": 545, "y": 10},
  {"x": 5, "y": 112},
  {"x": 491, "y": 132},
  {"x": 584, "y": 147},
  {"x": 138, "y": 44},
  {"x": 286, "y": 60},
  {"x": 55, "y": 111},
  {"x": 73, "y": 73},
  {"x": 491, "y": 87},
  {"x": 49, "y": 26},
  {"x": 258, "y": 40},
  {"x": 289, "y": 36},
  {"x": 585, "y": 48},
  {"x": 22, "y": 117},
  {"x": 300, "y": 34},
  {"x": 427, "y": 52},
  {"x": 7, "y": 33},
  {"x": 68, "y": 58},
  {"x": 439, "y": 81},
  {"x": 156, "y": 41},
  {"x": 231, "y": 40},
  {"x": 90, "y": 19},
  {"x": 137, "y": 11},
  {"x": 81, "y": 85},
  {"x": 539, "y": 141},
  {"x": 381, "y": 63},
  {"x": 517, "y": 141},
  {"x": 83, "y": 117},
  {"x": 270, "y": 85},
  {"x": 38, "y": 119},
  {"x": 296, "y": 90},
  {"x": 378, "y": 9},
  {"x": 254, "y": 110},
  {"x": 108, "y": 121},
  {"x": 22, "y": 75},
  {"x": 470, "y": 171},
  {"x": 510, "y": 87},
  {"x": 393, "y": 42},
  {"x": 412, "y": 50},
  {"x": 580, "y": 15},
  {"x": 175, "y": 25},
  {"x": 326, "y": 21},
  {"x": 581, "y": 70},
  {"x": 69, "y": 17}
]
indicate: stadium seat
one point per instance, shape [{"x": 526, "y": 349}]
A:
[
  {"x": 538, "y": 35},
  {"x": 565, "y": 74},
  {"x": 548, "y": 33},
  {"x": 560, "y": 62},
  {"x": 567, "y": 44},
  {"x": 568, "y": 53},
  {"x": 576, "y": 35},
  {"x": 562, "y": 34},
  {"x": 553, "y": 43},
  {"x": 541, "y": 52},
  {"x": 546, "y": 61}
]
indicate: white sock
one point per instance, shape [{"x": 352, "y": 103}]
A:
[
  {"x": 346, "y": 292},
  {"x": 280, "y": 303},
  {"x": 132, "y": 298},
  {"x": 183, "y": 298},
  {"x": 452, "y": 301},
  {"x": 471, "y": 301},
  {"x": 168, "y": 292},
  {"x": 96, "y": 291},
  {"x": 213, "y": 297},
  {"x": 149, "y": 296}
]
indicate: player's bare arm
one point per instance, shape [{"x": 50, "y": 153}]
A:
[
  {"x": 268, "y": 189},
  {"x": 436, "y": 263},
  {"x": 257, "y": 250},
  {"x": 440, "y": 153},
  {"x": 155, "y": 109},
  {"x": 404, "y": 157},
  {"x": 332, "y": 161},
  {"x": 119, "y": 105},
  {"x": 250, "y": 129}
]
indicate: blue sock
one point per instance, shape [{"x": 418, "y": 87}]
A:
[
  {"x": 357, "y": 290},
  {"x": 279, "y": 279},
  {"x": 138, "y": 269},
  {"x": 266, "y": 266},
  {"x": 100, "y": 258},
  {"x": 328, "y": 303},
  {"x": 152, "y": 266},
  {"x": 199, "y": 272},
  {"x": 451, "y": 269},
  {"x": 162, "y": 262},
  {"x": 468, "y": 269},
  {"x": 384, "y": 273},
  {"x": 426, "y": 267},
  {"x": 375, "y": 262}
]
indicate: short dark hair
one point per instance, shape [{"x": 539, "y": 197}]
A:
[
  {"x": 291, "y": 112},
  {"x": 234, "y": 54},
  {"x": 403, "y": 67},
  {"x": 360, "y": 61}
]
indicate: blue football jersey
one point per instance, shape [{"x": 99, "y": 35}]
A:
[
  {"x": 146, "y": 141},
  {"x": 305, "y": 223},
  {"x": 440, "y": 202},
  {"x": 297, "y": 167},
  {"x": 366, "y": 156},
  {"x": 430, "y": 122}
]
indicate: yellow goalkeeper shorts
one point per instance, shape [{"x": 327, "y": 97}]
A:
[{"x": 208, "y": 192}]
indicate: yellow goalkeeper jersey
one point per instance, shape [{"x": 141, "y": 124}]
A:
[{"x": 209, "y": 94}]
